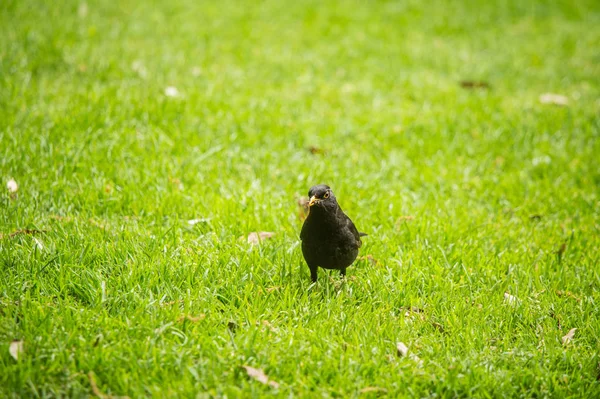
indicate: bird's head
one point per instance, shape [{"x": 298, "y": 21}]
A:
[{"x": 321, "y": 196}]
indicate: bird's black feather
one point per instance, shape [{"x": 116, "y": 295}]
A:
[{"x": 329, "y": 238}]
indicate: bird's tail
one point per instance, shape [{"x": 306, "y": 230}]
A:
[{"x": 362, "y": 234}]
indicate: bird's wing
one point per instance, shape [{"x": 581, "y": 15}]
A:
[
  {"x": 350, "y": 225},
  {"x": 304, "y": 231}
]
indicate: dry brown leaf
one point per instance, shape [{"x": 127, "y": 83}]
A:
[
  {"x": 171, "y": 302},
  {"x": 438, "y": 326},
  {"x": 316, "y": 150},
  {"x": 232, "y": 325},
  {"x": 369, "y": 258},
  {"x": 16, "y": 348},
  {"x": 12, "y": 186},
  {"x": 555, "y": 99},
  {"x": 568, "y": 294},
  {"x": 303, "y": 208},
  {"x": 193, "y": 319},
  {"x": 21, "y": 232},
  {"x": 473, "y": 84},
  {"x": 373, "y": 389},
  {"x": 402, "y": 351},
  {"x": 403, "y": 220},
  {"x": 97, "y": 391},
  {"x": 271, "y": 289},
  {"x": 260, "y": 376},
  {"x": 177, "y": 183},
  {"x": 270, "y": 326},
  {"x": 567, "y": 338},
  {"x": 256, "y": 237}
]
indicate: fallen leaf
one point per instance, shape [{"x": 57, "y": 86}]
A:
[
  {"x": 38, "y": 243},
  {"x": 98, "y": 339},
  {"x": 94, "y": 386},
  {"x": 510, "y": 298},
  {"x": 403, "y": 219},
  {"x": 232, "y": 325},
  {"x": 402, "y": 351},
  {"x": 171, "y": 91},
  {"x": 177, "y": 183},
  {"x": 373, "y": 389},
  {"x": 257, "y": 237},
  {"x": 567, "y": 338},
  {"x": 316, "y": 150},
  {"x": 260, "y": 376},
  {"x": 369, "y": 258},
  {"x": 271, "y": 289},
  {"x": 568, "y": 294},
  {"x": 303, "y": 208},
  {"x": 268, "y": 325},
  {"x": 12, "y": 186},
  {"x": 193, "y": 319},
  {"x": 171, "y": 302},
  {"x": 21, "y": 232},
  {"x": 16, "y": 348},
  {"x": 411, "y": 312},
  {"x": 193, "y": 222},
  {"x": 438, "y": 326},
  {"x": 555, "y": 99},
  {"x": 473, "y": 84},
  {"x": 96, "y": 391}
]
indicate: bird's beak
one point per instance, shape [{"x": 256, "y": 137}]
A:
[{"x": 313, "y": 200}]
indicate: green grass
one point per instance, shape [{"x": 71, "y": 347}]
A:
[{"x": 466, "y": 194}]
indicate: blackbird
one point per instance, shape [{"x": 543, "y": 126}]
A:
[{"x": 329, "y": 238}]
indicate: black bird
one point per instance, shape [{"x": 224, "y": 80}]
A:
[{"x": 329, "y": 238}]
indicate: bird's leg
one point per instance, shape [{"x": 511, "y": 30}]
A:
[
  {"x": 313, "y": 273},
  {"x": 343, "y": 272}
]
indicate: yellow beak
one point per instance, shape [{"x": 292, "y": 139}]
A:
[{"x": 313, "y": 200}]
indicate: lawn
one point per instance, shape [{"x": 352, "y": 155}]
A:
[{"x": 149, "y": 139}]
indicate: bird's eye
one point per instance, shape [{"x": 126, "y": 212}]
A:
[{"x": 326, "y": 195}]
